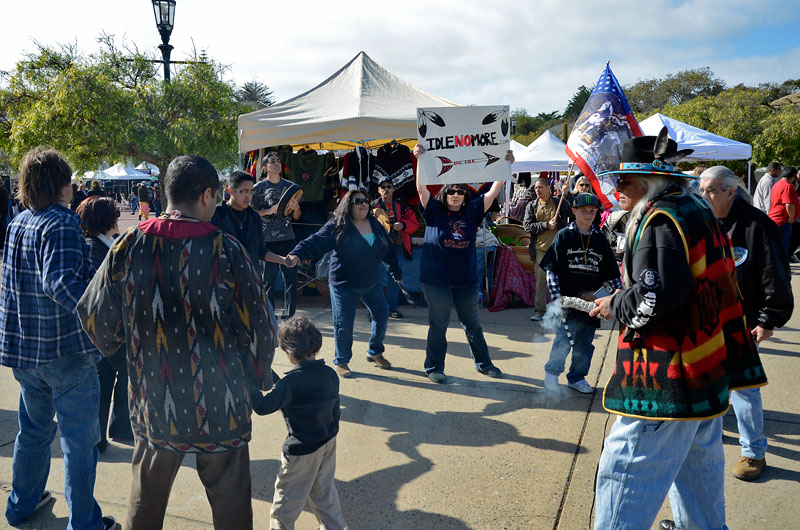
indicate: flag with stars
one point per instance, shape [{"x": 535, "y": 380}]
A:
[{"x": 595, "y": 144}]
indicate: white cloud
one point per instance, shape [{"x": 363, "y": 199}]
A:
[{"x": 531, "y": 54}]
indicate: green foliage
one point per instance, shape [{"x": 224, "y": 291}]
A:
[
  {"x": 113, "y": 105},
  {"x": 779, "y": 138},
  {"x": 254, "y": 95},
  {"x": 649, "y": 95},
  {"x": 530, "y": 128},
  {"x": 576, "y": 103},
  {"x": 736, "y": 113}
]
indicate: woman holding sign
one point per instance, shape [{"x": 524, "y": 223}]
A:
[{"x": 448, "y": 270}]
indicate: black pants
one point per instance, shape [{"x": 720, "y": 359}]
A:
[
  {"x": 270, "y": 275},
  {"x": 113, "y": 375}
]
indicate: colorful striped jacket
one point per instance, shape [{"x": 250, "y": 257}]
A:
[
  {"x": 683, "y": 343},
  {"x": 184, "y": 299}
]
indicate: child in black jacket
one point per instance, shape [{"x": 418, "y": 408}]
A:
[{"x": 308, "y": 397}]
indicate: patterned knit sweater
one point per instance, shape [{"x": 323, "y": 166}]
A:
[
  {"x": 683, "y": 343},
  {"x": 184, "y": 299}
]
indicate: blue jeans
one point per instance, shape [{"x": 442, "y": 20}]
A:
[
  {"x": 643, "y": 460},
  {"x": 750, "y": 420},
  {"x": 392, "y": 289},
  {"x": 582, "y": 336},
  {"x": 785, "y": 231},
  {"x": 343, "y": 304},
  {"x": 68, "y": 388},
  {"x": 441, "y": 301}
]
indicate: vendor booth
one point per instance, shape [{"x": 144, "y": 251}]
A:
[{"x": 361, "y": 107}]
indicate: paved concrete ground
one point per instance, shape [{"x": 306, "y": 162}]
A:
[{"x": 475, "y": 454}]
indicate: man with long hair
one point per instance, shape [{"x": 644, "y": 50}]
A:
[{"x": 683, "y": 345}]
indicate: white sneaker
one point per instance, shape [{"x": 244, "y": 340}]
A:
[
  {"x": 551, "y": 382},
  {"x": 537, "y": 317},
  {"x": 581, "y": 386}
]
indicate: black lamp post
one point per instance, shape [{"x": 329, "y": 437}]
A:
[{"x": 165, "y": 18}]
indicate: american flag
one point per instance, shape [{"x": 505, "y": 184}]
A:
[{"x": 605, "y": 123}]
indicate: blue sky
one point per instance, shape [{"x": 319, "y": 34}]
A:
[{"x": 531, "y": 54}]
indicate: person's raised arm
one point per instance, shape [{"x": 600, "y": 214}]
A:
[{"x": 424, "y": 194}]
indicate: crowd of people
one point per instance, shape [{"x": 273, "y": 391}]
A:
[{"x": 180, "y": 310}]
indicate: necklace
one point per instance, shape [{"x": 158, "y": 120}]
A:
[
  {"x": 177, "y": 215},
  {"x": 585, "y": 246}
]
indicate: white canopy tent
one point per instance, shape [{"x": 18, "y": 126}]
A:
[
  {"x": 517, "y": 147},
  {"x": 146, "y": 167},
  {"x": 362, "y": 103},
  {"x": 706, "y": 145},
  {"x": 122, "y": 172},
  {"x": 546, "y": 153}
]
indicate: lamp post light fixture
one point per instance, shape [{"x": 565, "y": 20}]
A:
[{"x": 165, "y": 19}]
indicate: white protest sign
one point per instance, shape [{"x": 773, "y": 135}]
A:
[{"x": 463, "y": 144}]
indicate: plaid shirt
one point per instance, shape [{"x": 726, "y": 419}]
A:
[{"x": 46, "y": 268}]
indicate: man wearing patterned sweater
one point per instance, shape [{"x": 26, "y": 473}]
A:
[
  {"x": 683, "y": 345},
  {"x": 184, "y": 298}
]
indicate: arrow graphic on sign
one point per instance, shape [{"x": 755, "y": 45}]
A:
[{"x": 448, "y": 164}]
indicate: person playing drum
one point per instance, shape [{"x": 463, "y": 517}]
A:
[{"x": 276, "y": 225}]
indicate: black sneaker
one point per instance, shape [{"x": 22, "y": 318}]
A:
[
  {"x": 395, "y": 314},
  {"x": 666, "y": 524},
  {"x": 438, "y": 377},
  {"x": 492, "y": 371},
  {"x": 46, "y": 497},
  {"x": 109, "y": 523}
]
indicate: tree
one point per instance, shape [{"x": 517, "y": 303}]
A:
[
  {"x": 576, "y": 103},
  {"x": 736, "y": 113},
  {"x": 112, "y": 105},
  {"x": 779, "y": 138},
  {"x": 254, "y": 95},
  {"x": 649, "y": 95}
]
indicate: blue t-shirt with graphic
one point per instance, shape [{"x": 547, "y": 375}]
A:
[{"x": 448, "y": 254}]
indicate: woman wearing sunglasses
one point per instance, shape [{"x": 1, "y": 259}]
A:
[
  {"x": 449, "y": 273},
  {"x": 360, "y": 245}
]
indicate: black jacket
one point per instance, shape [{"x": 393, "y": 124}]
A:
[
  {"x": 355, "y": 264},
  {"x": 764, "y": 279},
  {"x": 308, "y": 397},
  {"x": 97, "y": 251},
  {"x": 248, "y": 234}
]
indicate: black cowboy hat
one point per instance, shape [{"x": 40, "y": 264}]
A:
[{"x": 651, "y": 155}]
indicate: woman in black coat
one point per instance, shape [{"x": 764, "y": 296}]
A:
[{"x": 99, "y": 222}]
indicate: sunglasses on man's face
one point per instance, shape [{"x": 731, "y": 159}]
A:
[
  {"x": 360, "y": 200},
  {"x": 456, "y": 191}
]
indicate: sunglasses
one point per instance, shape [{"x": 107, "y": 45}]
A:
[
  {"x": 387, "y": 187},
  {"x": 359, "y": 200},
  {"x": 456, "y": 191},
  {"x": 622, "y": 184}
]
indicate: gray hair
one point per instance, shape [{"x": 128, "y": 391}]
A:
[
  {"x": 653, "y": 185},
  {"x": 726, "y": 179}
]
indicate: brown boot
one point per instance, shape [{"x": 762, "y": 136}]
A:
[
  {"x": 343, "y": 370},
  {"x": 749, "y": 468},
  {"x": 380, "y": 360}
]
